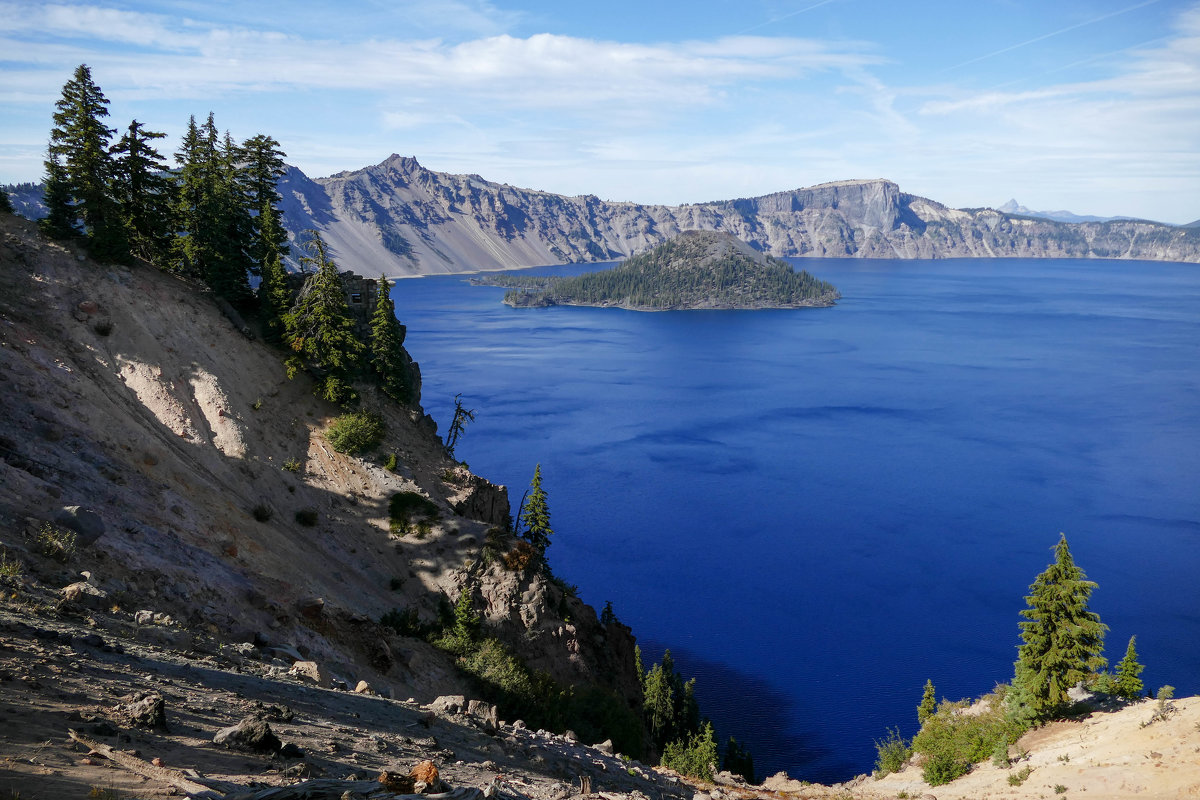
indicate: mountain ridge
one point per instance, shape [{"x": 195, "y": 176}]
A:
[{"x": 405, "y": 219}]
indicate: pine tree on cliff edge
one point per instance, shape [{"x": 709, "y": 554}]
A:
[{"x": 1063, "y": 640}]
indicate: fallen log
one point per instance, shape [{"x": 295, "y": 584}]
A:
[{"x": 148, "y": 770}]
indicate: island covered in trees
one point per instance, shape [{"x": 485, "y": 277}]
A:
[{"x": 697, "y": 269}]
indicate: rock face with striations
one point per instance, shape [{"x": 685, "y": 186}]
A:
[{"x": 405, "y": 219}]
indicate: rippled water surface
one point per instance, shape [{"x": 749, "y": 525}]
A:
[{"x": 816, "y": 510}]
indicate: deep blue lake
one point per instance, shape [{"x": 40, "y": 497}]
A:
[{"x": 819, "y": 509}]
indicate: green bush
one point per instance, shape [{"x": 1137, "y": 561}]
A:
[
  {"x": 292, "y": 465},
  {"x": 891, "y": 754},
  {"x": 356, "y": 432},
  {"x": 390, "y": 462},
  {"x": 1017, "y": 778},
  {"x": 411, "y": 509},
  {"x": 55, "y": 542},
  {"x": 695, "y": 757},
  {"x": 307, "y": 517},
  {"x": 262, "y": 512},
  {"x": 952, "y": 741}
]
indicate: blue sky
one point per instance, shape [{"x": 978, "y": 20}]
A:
[{"x": 1086, "y": 105}]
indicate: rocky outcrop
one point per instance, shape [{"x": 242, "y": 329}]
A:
[
  {"x": 175, "y": 460},
  {"x": 407, "y": 220}
]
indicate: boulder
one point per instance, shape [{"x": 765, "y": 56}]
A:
[
  {"x": 449, "y": 704},
  {"x": 605, "y": 747},
  {"x": 85, "y": 594},
  {"x": 252, "y": 734},
  {"x": 86, "y": 523},
  {"x": 145, "y": 710},
  {"x": 485, "y": 712},
  {"x": 310, "y": 671}
]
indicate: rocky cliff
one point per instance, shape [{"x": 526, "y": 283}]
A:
[
  {"x": 400, "y": 218},
  {"x": 216, "y": 499}
]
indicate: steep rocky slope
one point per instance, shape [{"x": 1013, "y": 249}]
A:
[
  {"x": 400, "y": 218},
  {"x": 127, "y": 392}
]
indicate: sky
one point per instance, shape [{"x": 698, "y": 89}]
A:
[{"x": 1091, "y": 106}]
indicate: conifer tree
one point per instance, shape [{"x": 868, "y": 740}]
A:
[
  {"x": 78, "y": 169},
  {"x": 536, "y": 514},
  {"x": 60, "y": 219},
  {"x": 274, "y": 297},
  {"x": 928, "y": 706},
  {"x": 6, "y": 206},
  {"x": 1128, "y": 683},
  {"x": 211, "y": 215},
  {"x": 1063, "y": 639},
  {"x": 141, "y": 187},
  {"x": 195, "y": 186},
  {"x": 389, "y": 360},
  {"x": 320, "y": 329},
  {"x": 259, "y": 170},
  {"x": 738, "y": 760}
]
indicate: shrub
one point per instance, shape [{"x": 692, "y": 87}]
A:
[
  {"x": 11, "y": 570},
  {"x": 409, "y": 509},
  {"x": 356, "y": 432},
  {"x": 891, "y": 754},
  {"x": 1017, "y": 778},
  {"x": 54, "y": 542},
  {"x": 1164, "y": 708},
  {"x": 307, "y": 517},
  {"x": 103, "y": 327},
  {"x": 1060, "y": 788},
  {"x": 695, "y": 757},
  {"x": 405, "y": 623},
  {"x": 390, "y": 462},
  {"x": 262, "y": 512},
  {"x": 520, "y": 556},
  {"x": 943, "y": 767},
  {"x": 952, "y": 741},
  {"x": 292, "y": 465}
]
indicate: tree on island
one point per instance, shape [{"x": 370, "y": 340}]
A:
[{"x": 1063, "y": 639}]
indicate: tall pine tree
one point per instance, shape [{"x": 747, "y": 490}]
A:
[
  {"x": 389, "y": 360},
  {"x": 78, "y": 169},
  {"x": 1063, "y": 639},
  {"x": 274, "y": 297},
  {"x": 211, "y": 215},
  {"x": 141, "y": 186},
  {"x": 320, "y": 329},
  {"x": 260, "y": 168},
  {"x": 536, "y": 514}
]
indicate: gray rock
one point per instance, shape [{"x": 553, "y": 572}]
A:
[
  {"x": 147, "y": 710},
  {"x": 485, "y": 712},
  {"x": 252, "y": 734},
  {"x": 449, "y": 704},
  {"x": 605, "y": 747},
  {"x": 86, "y": 523},
  {"x": 144, "y": 617}
]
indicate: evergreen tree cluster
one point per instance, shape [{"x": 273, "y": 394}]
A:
[
  {"x": 680, "y": 273},
  {"x": 1062, "y": 647},
  {"x": 685, "y": 742},
  {"x": 321, "y": 332},
  {"x": 214, "y": 217}
]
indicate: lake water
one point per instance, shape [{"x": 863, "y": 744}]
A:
[{"x": 819, "y": 509}]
